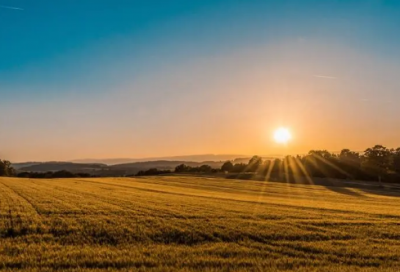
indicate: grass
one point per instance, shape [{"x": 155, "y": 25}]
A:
[{"x": 179, "y": 223}]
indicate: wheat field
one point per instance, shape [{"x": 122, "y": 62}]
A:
[{"x": 183, "y": 223}]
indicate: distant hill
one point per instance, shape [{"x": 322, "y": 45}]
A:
[
  {"x": 20, "y": 165},
  {"x": 123, "y": 169},
  {"x": 105, "y": 170},
  {"x": 188, "y": 158},
  {"x": 57, "y": 166}
]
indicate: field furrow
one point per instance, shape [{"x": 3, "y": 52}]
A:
[{"x": 193, "y": 223}]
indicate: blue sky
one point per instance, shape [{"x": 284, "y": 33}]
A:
[{"x": 81, "y": 55}]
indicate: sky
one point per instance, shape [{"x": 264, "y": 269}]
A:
[{"x": 146, "y": 78}]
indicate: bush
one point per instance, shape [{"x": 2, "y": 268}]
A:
[
  {"x": 153, "y": 172},
  {"x": 51, "y": 175}
]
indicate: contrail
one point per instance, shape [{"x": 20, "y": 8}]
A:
[
  {"x": 328, "y": 77},
  {"x": 8, "y": 7}
]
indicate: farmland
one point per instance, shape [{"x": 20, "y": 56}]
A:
[{"x": 186, "y": 223}]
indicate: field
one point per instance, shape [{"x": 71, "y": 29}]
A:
[{"x": 195, "y": 224}]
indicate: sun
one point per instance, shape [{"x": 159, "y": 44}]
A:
[{"x": 282, "y": 135}]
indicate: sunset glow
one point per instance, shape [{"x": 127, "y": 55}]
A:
[
  {"x": 134, "y": 84},
  {"x": 282, "y": 135}
]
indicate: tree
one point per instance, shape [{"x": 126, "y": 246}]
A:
[
  {"x": 396, "y": 160},
  {"x": 322, "y": 163},
  {"x": 205, "y": 169},
  {"x": 276, "y": 169},
  {"x": 152, "y": 172},
  {"x": 350, "y": 162},
  {"x": 227, "y": 166},
  {"x": 6, "y": 169},
  {"x": 312, "y": 164},
  {"x": 239, "y": 168},
  {"x": 63, "y": 174},
  {"x": 254, "y": 163},
  {"x": 182, "y": 168},
  {"x": 350, "y": 157},
  {"x": 290, "y": 166},
  {"x": 324, "y": 154},
  {"x": 377, "y": 161}
]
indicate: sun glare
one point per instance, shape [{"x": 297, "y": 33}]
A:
[{"x": 282, "y": 135}]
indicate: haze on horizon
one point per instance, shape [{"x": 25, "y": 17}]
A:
[{"x": 133, "y": 79}]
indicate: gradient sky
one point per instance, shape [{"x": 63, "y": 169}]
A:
[{"x": 126, "y": 78}]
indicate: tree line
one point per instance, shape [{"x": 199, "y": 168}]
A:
[
  {"x": 52, "y": 175},
  {"x": 6, "y": 170},
  {"x": 182, "y": 168},
  {"x": 376, "y": 163}
]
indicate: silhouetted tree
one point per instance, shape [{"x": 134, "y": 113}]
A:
[
  {"x": 312, "y": 165},
  {"x": 396, "y": 160},
  {"x": 182, "y": 168},
  {"x": 188, "y": 169},
  {"x": 6, "y": 169},
  {"x": 377, "y": 161},
  {"x": 292, "y": 167},
  {"x": 350, "y": 162},
  {"x": 321, "y": 163},
  {"x": 205, "y": 169},
  {"x": 227, "y": 166},
  {"x": 254, "y": 163},
  {"x": 276, "y": 169},
  {"x": 63, "y": 174},
  {"x": 239, "y": 168},
  {"x": 153, "y": 172},
  {"x": 51, "y": 175}
]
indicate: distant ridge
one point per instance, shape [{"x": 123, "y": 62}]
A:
[
  {"x": 98, "y": 169},
  {"x": 57, "y": 166},
  {"x": 191, "y": 158},
  {"x": 123, "y": 167}
]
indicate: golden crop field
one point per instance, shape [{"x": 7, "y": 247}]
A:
[{"x": 179, "y": 223}]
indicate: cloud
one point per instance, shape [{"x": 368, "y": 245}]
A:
[
  {"x": 327, "y": 77},
  {"x": 8, "y": 7}
]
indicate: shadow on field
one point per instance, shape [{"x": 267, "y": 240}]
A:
[
  {"x": 346, "y": 186},
  {"x": 336, "y": 185},
  {"x": 382, "y": 191},
  {"x": 344, "y": 191},
  {"x": 374, "y": 188}
]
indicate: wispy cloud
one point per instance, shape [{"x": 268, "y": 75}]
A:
[
  {"x": 8, "y": 7},
  {"x": 327, "y": 77}
]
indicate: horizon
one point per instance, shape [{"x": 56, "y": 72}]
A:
[
  {"x": 239, "y": 156},
  {"x": 145, "y": 79},
  {"x": 189, "y": 157}
]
